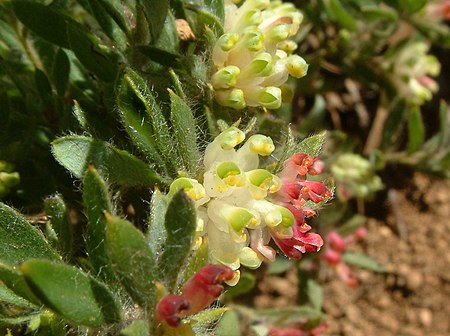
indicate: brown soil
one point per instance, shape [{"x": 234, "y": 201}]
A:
[{"x": 413, "y": 297}]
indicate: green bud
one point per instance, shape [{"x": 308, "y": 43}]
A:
[
  {"x": 288, "y": 46},
  {"x": 191, "y": 187},
  {"x": 230, "y": 138},
  {"x": 278, "y": 33},
  {"x": 296, "y": 66},
  {"x": 270, "y": 97},
  {"x": 249, "y": 258},
  {"x": 251, "y": 18},
  {"x": 225, "y": 77},
  {"x": 254, "y": 40},
  {"x": 239, "y": 218},
  {"x": 227, "y": 41},
  {"x": 260, "y": 66},
  {"x": 233, "y": 98},
  {"x": 261, "y": 144},
  {"x": 10, "y": 179}
]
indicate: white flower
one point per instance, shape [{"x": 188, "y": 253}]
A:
[{"x": 253, "y": 58}]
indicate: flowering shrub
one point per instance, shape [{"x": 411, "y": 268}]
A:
[{"x": 132, "y": 103}]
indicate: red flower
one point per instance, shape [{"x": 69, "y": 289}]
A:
[
  {"x": 170, "y": 309},
  {"x": 299, "y": 243},
  {"x": 205, "y": 286},
  {"x": 197, "y": 294}
]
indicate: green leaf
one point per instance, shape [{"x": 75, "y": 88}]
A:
[
  {"x": 337, "y": 12},
  {"x": 97, "y": 202},
  {"x": 180, "y": 225},
  {"x": 374, "y": 12},
  {"x": 132, "y": 259},
  {"x": 88, "y": 52},
  {"x": 9, "y": 297},
  {"x": 14, "y": 280},
  {"x": 217, "y": 8},
  {"x": 76, "y": 152},
  {"x": 416, "y": 130},
  {"x": 411, "y": 6},
  {"x": 44, "y": 21},
  {"x": 71, "y": 293},
  {"x": 206, "y": 18},
  {"x": 183, "y": 123},
  {"x": 159, "y": 55},
  {"x": 161, "y": 132},
  {"x": 156, "y": 233},
  {"x": 206, "y": 317},
  {"x": 363, "y": 261},
  {"x": 19, "y": 240},
  {"x": 136, "y": 328},
  {"x": 228, "y": 325},
  {"x": 61, "y": 71},
  {"x": 311, "y": 145},
  {"x": 58, "y": 214},
  {"x": 315, "y": 294},
  {"x": 106, "y": 13},
  {"x": 134, "y": 116},
  {"x": 155, "y": 12},
  {"x": 43, "y": 85}
]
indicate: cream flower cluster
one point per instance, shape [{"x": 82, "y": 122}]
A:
[
  {"x": 237, "y": 207},
  {"x": 254, "y": 57},
  {"x": 410, "y": 71}
]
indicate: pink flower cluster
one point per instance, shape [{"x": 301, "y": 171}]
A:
[
  {"x": 197, "y": 294},
  {"x": 336, "y": 246},
  {"x": 295, "y": 191}
]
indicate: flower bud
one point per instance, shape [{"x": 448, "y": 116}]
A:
[
  {"x": 205, "y": 286},
  {"x": 192, "y": 188},
  {"x": 170, "y": 309},
  {"x": 270, "y": 97},
  {"x": 260, "y": 66},
  {"x": 225, "y": 77},
  {"x": 296, "y": 66},
  {"x": 233, "y": 98}
]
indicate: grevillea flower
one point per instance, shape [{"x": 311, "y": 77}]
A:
[
  {"x": 197, "y": 294},
  {"x": 241, "y": 207},
  {"x": 411, "y": 69},
  {"x": 253, "y": 59}
]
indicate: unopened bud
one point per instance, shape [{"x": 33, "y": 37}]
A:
[
  {"x": 233, "y": 98},
  {"x": 270, "y": 97},
  {"x": 278, "y": 33},
  {"x": 260, "y": 66},
  {"x": 227, "y": 41},
  {"x": 296, "y": 66},
  {"x": 225, "y": 77}
]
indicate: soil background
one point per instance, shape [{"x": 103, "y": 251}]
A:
[{"x": 413, "y": 297}]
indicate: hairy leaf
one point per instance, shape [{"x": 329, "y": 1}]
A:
[
  {"x": 132, "y": 259},
  {"x": 97, "y": 202},
  {"x": 76, "y": 152},
  {"x": 180, "y": 223},
  {"x": 71, "y": 293},
  {"x": 19, "y": 240}
]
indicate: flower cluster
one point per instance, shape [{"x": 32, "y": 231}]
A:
[
  {"x": 336, "y": 246},
  {"x": 241, "y": 207},
  {"x": 197, "y": 294},
  {"x": 354, "y": 177},
  {"x": 410, "y": 69},
  {"x": 254, "y": 57}
]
